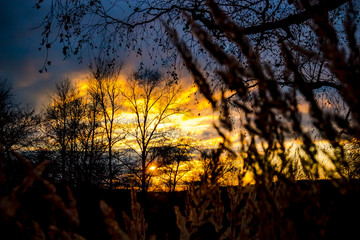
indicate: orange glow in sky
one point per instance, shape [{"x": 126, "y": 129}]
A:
[{"x": 196, "y": 122}]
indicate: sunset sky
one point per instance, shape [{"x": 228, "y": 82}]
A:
[{"x": 21, "y": 60}]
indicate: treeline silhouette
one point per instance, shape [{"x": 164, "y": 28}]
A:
[{"x": 107, "y": 136}]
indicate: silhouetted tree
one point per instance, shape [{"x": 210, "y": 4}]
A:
[
  {"x": 105, "y": 90},
  {"x": 173, "y": 161},
  {"x": 94, "y": 165},
  {"x": 151, "y": 99},
  {"x": 62, "y": 119},
  {"x": 18, "y": 128}
]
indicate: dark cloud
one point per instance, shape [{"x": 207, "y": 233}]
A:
[{"x": 20, "y": 59}]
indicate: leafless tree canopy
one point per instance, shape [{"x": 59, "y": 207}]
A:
[
  {"x": 105, "y": 91},
  {"x": 152, "y": 99}
]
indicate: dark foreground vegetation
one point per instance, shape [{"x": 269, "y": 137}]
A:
[{"x": 311, "y": 210}]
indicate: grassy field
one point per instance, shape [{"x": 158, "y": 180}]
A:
[{"x": 330, "y": 213}]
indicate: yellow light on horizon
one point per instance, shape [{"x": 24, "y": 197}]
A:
[{"x": 152, "y": 168}]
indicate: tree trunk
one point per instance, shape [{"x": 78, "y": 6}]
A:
[
  {"x": 143, "y": 174},
  {"x": 110, "y": 168},
  {"x": 63, "y": 162}
]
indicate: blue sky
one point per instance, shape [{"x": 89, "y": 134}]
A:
[
  {"x": 20, "y": 62},
  {"x": 20, "y": 59}
]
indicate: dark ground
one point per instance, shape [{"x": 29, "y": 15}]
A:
[{"x": 341, "y": 207}]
